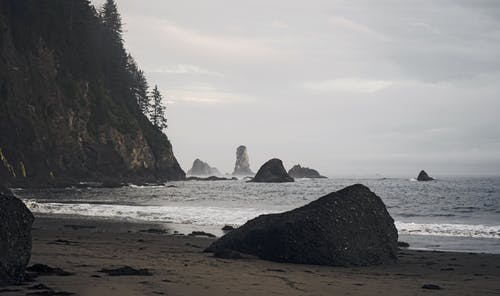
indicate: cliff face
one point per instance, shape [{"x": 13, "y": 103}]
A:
[{"x": 67, "y": 112}]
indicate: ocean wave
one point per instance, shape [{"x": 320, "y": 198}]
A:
[
  {"x": 170, "y": 214},
  {"x": 233, "y": 216},
  {"x": 459, "y": 230},
  {"x": 410, "y": 215}
]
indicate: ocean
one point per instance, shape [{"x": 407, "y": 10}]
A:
[{"x": 449, "y": 214}]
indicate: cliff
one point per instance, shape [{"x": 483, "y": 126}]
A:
[{"x": 67, "y": 111}]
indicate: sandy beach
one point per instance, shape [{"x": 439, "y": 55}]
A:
[{"x": 179, "y": 267}]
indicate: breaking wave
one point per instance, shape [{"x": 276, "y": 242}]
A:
[{"x": 234, "y": 216}]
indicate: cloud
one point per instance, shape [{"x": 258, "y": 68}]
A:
[
  {"x": 220, "y": 44},
  {"x": 206, "y": 94},
  {"x": 352, "y": 85},
  {"x": 185, "y": 69},
  {"x": 426, "y": 27},
  {"x": 355, "y": 27},
  {"x": 280, "y": 24}
]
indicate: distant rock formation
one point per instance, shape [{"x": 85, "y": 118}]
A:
[
  {"x": 242, "y": 166},
  {"x": 15, "y": 238},
  {"x": 302, "y": 172},
  {"x": 272, "y": 172},
  {"x": 350, "y": 227},
  {"x": 424, "y": 177},
  {"x": 211, "y": 178},
  {"x": 201, "y": 168}
]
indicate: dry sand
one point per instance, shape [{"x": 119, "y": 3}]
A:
[{"x": 179, "y": 267}]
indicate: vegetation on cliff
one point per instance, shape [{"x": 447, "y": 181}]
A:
[{"x": 70, "y": 98}]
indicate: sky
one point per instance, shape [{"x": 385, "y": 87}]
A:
[{"x": 350, "y": 88}]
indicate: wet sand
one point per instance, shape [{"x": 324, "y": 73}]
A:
[{"x": 179, "y": 267}]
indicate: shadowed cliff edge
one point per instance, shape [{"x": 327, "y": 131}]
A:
[{"x": 67, "y": 108}]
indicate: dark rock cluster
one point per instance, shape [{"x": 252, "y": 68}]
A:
[
  {"x": 298, "y": 171},
  {"x": 201, "y": 168}
]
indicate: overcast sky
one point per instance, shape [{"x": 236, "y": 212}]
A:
[{"x": 346, "y": 87}]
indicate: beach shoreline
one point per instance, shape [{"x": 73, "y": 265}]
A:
[{"x": 178, "y": 266}]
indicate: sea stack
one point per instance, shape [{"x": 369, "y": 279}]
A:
[
  {"x": 15, "y": 238},
  {"x": 201, "y": 168},
  {"x": 272, "y": 172},
  {"x": 423, "y": 176},
  {"x": 350, "y": 227},
  {"x": 242, "y": 166},
  {"x": 302, "y": 172}
]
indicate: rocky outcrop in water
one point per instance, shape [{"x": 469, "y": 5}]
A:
[
  {"x": 350, "y": 227},
  {"x": 242, "y": 166},
  {"x": 210, "y": 178},
  {"x": 67, "y": 109},
  {"x": 423, "y": 176},
  {"x": 272, "y": 171},
  {"x": 302, "y": 172},
  {"x": 15, "y": 238},
  {"x": 201, "y": 168}
]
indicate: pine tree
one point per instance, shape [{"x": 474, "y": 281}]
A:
[
  {"x": 158, "y": 110},
  {"x": 139, "y": 85},
  {"x": 111, "y": 19}
]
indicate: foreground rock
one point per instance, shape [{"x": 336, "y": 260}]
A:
[
  {"x": 242, "y": 166},
  {"x": 423, "y": 176},
  {"x": 350, "y": 227},
  {"x": 15, "y": 238},
  {"x": 272, "y": 172},
  {"x": 201, "y": 168},
  {"x": 302, "y": 172}
]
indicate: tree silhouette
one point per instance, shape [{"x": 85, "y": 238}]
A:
[
  {"x": 139, "y": 85},
  {"x": 111, "y": 19},
  {"x": 158, "y": 110}
]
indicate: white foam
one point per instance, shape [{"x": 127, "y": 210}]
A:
[
  {"x": 172, "y": 214},
  {"x": 460, "y": 230},
  {"x": 199, "y": 215}
]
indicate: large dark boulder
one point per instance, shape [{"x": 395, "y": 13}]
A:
[
  {"x": 302, "y": 172},
  {"x": 423, "y": 176},
  {"x": 15, "y": 238},
  {"x": 272, "y": 172},
  {"x": 350, "y": 227}
]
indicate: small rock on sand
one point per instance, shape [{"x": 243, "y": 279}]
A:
[
  {"x": 227, "y": 228},
  {"x": 126, "y": 270},
  {"x": 228, "y": 254},
  {"x": 42, "y": 269},
  {"x": 431, "y": 287},
  {"x": 201, "y": 233}
]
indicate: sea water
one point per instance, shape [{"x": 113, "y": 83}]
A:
[{"x": 452, "y": 213}]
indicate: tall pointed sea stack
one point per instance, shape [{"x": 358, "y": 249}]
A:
[{"x": 242, "y": 166}]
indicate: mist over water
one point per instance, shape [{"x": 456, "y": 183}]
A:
[{"x": 460, "y": 207}]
